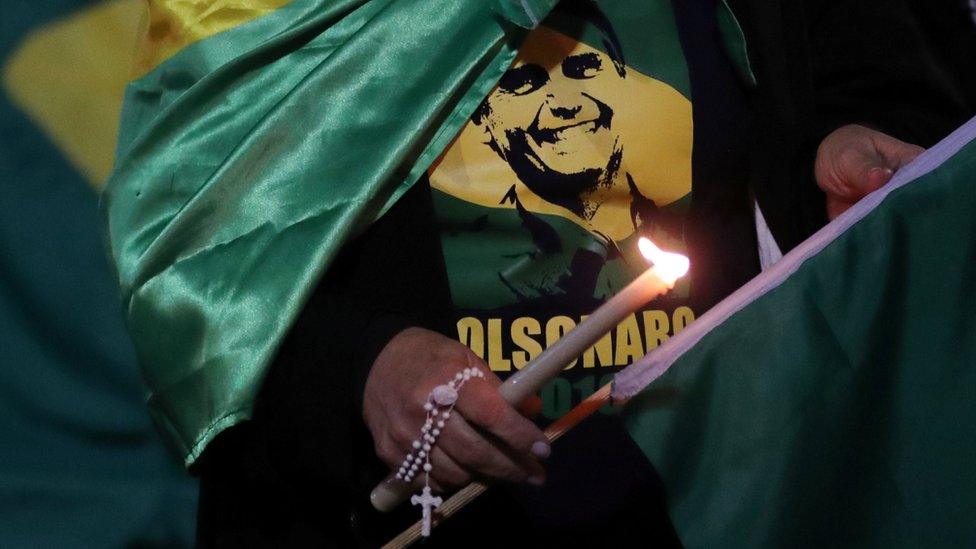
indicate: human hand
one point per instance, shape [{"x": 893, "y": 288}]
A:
[
  {"x": 853, "y": 161},
  {"x": 485, "y": 436}
]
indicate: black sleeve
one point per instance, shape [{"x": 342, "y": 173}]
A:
[
  {"x": 388, "y": 279},
  {"x": 822, "y": 64},
  {"x": 949, "y": 27},
  {"x": 870, "y": 65},
  {"x": 274, "y": 475}
]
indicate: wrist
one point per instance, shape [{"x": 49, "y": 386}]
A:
[{"x": 376, "y": 334}]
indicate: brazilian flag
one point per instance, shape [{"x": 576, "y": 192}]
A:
[
  {"x": 830, "y": 401},
  {"x": 80, "y": 462},
  {"x": 256, "y": 139}
]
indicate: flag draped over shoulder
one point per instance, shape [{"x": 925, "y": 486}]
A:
[
  {"x": 248, "y": 157},
  {"x": 832, "y": 400}
]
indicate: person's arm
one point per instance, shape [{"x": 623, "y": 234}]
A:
[
  {"x": 386, "y": 280},
  {"x": 370, "y": 344},
  {"x": 306, "y": 452}
]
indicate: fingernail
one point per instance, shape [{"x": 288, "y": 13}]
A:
[
  {"x": 541, "y": 449},
  {"x": 536, "y": 480}
]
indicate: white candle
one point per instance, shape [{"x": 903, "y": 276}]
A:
[{"x": 656, "y": 281}]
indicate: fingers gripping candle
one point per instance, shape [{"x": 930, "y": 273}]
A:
[{"x": 658, "y": 280}]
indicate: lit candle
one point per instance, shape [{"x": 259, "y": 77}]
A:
[{"x": 656, "y": 281}]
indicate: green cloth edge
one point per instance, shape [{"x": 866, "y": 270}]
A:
[
  {"x": 703, "y": 351},
  {"x": 252, "y": 35}
]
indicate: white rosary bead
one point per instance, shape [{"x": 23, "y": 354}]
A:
[
  {"x": 444, "y": 395},
  {"x": 440, "y": 403}
]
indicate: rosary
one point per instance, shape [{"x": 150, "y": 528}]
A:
[{"x": 439, "y": 406}]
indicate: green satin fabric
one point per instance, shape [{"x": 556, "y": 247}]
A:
[
  {"x": 526, "y": 13},
  {"x": 248, "y": 159}
]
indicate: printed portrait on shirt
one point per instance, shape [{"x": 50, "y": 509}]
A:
[
  {"x": 572, "y": 137},
  {"x": 576, "y": 133}
]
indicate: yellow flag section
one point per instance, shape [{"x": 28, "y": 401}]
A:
[
  {"x": 648, "y": 115},
  {"x": 69, "y": 77},
  {"x": 171, "y": 25}
]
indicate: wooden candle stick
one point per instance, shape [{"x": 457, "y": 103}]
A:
[{"x": 471, "y": 492}]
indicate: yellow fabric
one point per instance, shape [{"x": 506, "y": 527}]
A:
[
  {"x": 69, "y": 77},
  {"x": 651, "y": 116},
  {"x": 171, "y": 25}
]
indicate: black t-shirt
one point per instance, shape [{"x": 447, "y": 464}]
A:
[
  {"x": 615, "y": 122},
  {"x": 272, "y": 479}
]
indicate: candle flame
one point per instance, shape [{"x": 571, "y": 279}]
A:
[{"x": 669, "y": 266}]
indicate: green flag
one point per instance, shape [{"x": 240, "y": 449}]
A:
[
  {"x": 248, "y": 157},
  {"x": 80, "y": 462},
  {"x": 831, "y": 401}
]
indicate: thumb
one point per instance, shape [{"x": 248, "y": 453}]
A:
[
  {"x": 896, "y": 153},
  {"x": 530, "y": 407},
  {"x": 854, "y": 173},
  {"x": 857, "y": 171},
  {"x": 881, "y": 157},
  {"x": 875, "y": 178}
]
